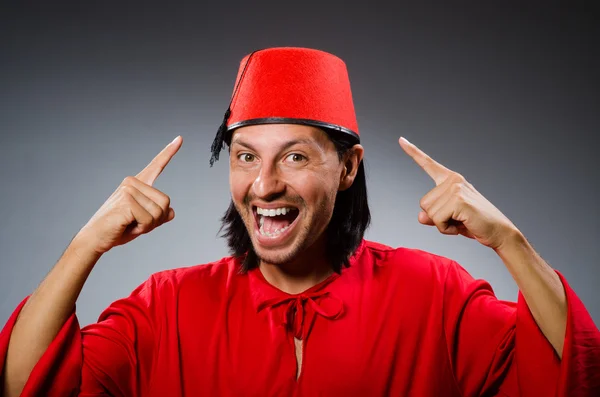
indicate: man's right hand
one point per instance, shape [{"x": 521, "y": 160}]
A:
[{"x": 135, "y": 208}]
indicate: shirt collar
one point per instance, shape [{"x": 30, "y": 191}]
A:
[
  {"x": 262, "y": 291},
  {"x": 317, "y": 298}
]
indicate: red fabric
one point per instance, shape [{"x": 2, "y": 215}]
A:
[
  {"x": 291, "y": 82},
  {"x": 399, "y": 322}
]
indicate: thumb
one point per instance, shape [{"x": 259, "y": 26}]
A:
[
  {"x": 425, "y": 219},
  {"x": 170, "y": 215}
]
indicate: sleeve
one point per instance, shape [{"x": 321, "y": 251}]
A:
[
  {"x": 496, "y": 347},
  {"x": 111, "y": 357}
]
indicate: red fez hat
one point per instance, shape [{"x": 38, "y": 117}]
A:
[{"x": 290, "y": 85}]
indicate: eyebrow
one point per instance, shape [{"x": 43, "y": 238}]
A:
[{"x": 283, "y": 147}]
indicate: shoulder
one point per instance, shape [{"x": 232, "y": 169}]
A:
[
  {"x": 407, "y": 262},
  {"x": 207, "y": 277},
  {"x": 385, "y": 255}
]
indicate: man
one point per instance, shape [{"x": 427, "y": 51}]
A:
[{"x": 304, "y": 306}]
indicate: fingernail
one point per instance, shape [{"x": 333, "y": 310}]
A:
[
  {"x": 405, "y": 140},
  {"x": 173, "y": 141}
]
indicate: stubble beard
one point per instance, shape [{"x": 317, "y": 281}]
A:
[
  {"x": 285, "y": 254},
  {"x": 302, "y": 241}
]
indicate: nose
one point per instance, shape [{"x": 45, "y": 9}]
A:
[{"x": 268, "y": 183}]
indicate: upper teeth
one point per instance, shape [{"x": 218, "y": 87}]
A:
[{"x": 273, "y": 212}]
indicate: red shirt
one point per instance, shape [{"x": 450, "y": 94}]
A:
[{"x": 399, "y": 322}]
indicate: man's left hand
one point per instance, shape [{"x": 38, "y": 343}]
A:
[{"x": 455, "y": 207}]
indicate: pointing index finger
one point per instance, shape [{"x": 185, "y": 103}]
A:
[
  {"x": 435, "y": 170},
  {"x": 149, "y": 174}
]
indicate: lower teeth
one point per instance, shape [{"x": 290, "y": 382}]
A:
[{"x": 275, "y": 233}]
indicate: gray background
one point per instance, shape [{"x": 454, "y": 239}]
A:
[{"x": 90, "y": 93}]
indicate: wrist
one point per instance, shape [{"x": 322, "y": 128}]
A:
[
  {"x": 83, "y": 247},
  {"x": 513, "y": 241}
]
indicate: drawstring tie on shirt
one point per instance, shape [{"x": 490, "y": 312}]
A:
[{"x": 294, "y": 313}]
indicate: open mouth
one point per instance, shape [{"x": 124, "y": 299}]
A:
[{"x": 275, "y": 222}]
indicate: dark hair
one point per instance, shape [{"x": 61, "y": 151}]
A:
[{"x": 350, "y": 219}]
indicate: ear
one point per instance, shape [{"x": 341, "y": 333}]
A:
[{"x": 351, "y": 161}]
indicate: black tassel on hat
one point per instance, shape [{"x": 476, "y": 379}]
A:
[{"x": 219, "y": 140}]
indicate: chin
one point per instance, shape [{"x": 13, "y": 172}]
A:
[
  {"x": 284, "y": 247},
  {"x": 276, "y": 255}
]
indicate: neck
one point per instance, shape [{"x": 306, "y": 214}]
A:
[{"x": 307, "y": 270}]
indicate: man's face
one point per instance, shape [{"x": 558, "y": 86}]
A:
[{"x": 284, "y": 179}]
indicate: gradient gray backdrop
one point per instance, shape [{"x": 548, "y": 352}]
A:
[{"x": 90, "y": 93}]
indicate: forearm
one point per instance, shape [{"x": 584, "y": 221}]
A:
[
  {"x": 44, "y": 314},
  {"x": 540, "y": 285}
]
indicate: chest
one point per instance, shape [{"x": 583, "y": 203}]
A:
[{"x": 371, "y": 349}]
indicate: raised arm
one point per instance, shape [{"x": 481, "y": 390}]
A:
[{"x": 135, "y": 208}]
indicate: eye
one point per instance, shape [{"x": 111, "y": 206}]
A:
[
  {"x": 246, "y": 157},
  {"x": 295, "y": 158}
]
